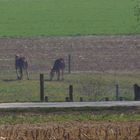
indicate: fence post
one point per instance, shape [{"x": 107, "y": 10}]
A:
[
  {"x": 117, "y": 92},
  {"x": 136, "y": 92},
  {"x": 71, "y": 93},
  {"x": 81, "y": 99},
  {"x": 41, "y": 87},
  {"x": 69, "y": 63}
]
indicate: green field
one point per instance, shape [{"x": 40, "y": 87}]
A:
[
  {"x": 90, "y": 86},
  {"x": 20, "y": 18}
]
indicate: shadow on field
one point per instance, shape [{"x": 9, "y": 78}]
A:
[
  {"x": 9, "y": 80},
  {"x": 48, "y": 80}
]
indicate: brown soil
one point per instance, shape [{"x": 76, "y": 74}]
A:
[{"x": 89, "y": 53}]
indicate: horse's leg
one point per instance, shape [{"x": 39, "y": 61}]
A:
[
  {"x": 17, "y": 73},
  {"x": 62, "y": 74},
  {"x": 21, "y": 73},
  {"x": 58, "y": 75},
  {"x": 27, "y": 73},
  {"x": 51, "y": 75}
]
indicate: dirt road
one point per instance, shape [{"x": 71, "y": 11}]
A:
[{"x": 70, "y": 104}]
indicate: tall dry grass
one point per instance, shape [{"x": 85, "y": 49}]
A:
[{"x": 72, "y": 131}]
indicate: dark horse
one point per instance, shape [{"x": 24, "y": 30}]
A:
[
  {"x": 20, "y": 65},
  {"x": 58, "y": 68}
]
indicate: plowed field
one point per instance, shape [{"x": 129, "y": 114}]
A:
[{"x": 89, "y": 53}]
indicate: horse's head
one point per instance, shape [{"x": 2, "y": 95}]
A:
[{"x": 61, "y": 59}]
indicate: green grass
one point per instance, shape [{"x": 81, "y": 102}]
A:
[
  {"x": 67, "y": 17},
  {"x": 90, "y": 86},
  {"x": 62, "y": 115},
  {"x": 35, "y": 119}
]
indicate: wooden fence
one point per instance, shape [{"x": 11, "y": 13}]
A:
[{"x": 70, "y": 97}]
